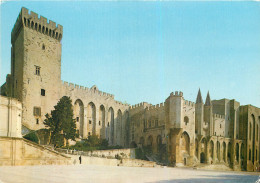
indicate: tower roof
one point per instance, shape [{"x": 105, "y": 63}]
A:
[
  {"x": 208, "y": 101},
  {"x": 199, "y": 98}
]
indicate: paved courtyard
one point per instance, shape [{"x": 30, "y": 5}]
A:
[{"x": 94, "y": 173}]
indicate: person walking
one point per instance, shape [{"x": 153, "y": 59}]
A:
[{"x": 80, "y": 159}]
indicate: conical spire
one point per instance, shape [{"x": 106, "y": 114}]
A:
[
  {"x": 199, "y": 98},
  {"x": 208, "y": 101}
]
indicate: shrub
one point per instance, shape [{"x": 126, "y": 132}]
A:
[
  {"x": 32, "y": 137},
  {"x": 118, "y": 157}
]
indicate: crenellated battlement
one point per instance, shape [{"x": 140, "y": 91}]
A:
[
  {"x": 92, "y": 90},
  {"x": 219, "y": 116},
  {"x": 32, "y": 21},
  {"x": 156, "y": 107},
  {"x": 86, "y": 89},
  {"x": 189, "y": 103},
  {"x": 176, "y": 94},
  {"x": 140, "y": 105}
]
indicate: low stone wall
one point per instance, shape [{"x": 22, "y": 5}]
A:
[
  {"x": 87, "y": 160},
  {"x": 19, "y": 151},
  {"x": 125, "y": 153},
  {"x": 111, "y": 153}
]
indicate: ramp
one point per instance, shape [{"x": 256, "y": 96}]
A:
[{"x": 19, "y": 151}]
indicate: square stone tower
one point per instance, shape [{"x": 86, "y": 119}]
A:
[{"x": 35, "y": 66}]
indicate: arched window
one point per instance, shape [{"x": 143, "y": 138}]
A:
[
  {"x": 43, "y": 29},
  {"x": 32, "y": 25},
  {"x": 40, "y": 28},
  {"x": 186, "y": 120},
  {"x": 24, "y": 21},
  {"x": 28, "y": 23},
  {"x": 36, "y": 26}
]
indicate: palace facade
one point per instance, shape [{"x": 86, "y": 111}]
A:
[{"x": 214, "y": 132}]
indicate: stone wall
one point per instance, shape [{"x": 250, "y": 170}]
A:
[
  {"x": 36, "y": 82},
  {"x": 10, "y": 117},
  {"x": 19, "y": 151},
  {"x": 125, "y": 153},
  {"x": 111, "y": 162},
  {"x": 110, "y": 153},
  {"x": 97, "y": 112}
]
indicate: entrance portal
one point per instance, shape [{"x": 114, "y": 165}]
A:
[
  {"x": 185, "y": 161},
  {"x": 202, "y": 158}
]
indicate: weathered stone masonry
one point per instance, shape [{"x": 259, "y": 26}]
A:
[{"x": 217, "y": 131}]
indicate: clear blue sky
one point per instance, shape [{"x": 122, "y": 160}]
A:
[{"x": 142, "y": 51}]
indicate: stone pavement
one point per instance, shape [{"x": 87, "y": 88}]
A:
[{"x": 95, "y": 173}]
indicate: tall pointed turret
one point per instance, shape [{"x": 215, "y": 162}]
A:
[
  {"x": 199, "y": 114},
  {"x": 208, "y": 115},
  {"x": 199, "y": 98},
  {"x": 208, "y": 101}
]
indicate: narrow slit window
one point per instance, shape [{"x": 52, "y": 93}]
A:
[
  {"x": 42, "y": 92},
  {"x": 37, "y": 70}
]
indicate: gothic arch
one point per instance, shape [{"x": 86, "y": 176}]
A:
[
  {"x": 196, "y": 148},
  {"x": 242, "y": 156},
  {"x": 203, "y": 150},
  {"x": 101, "y": 122},
  {"x": 79, "y": 116},
  {"x": 229, "y": 153},
  {"x": 111, "y": 124},
  {"x": 127, "y": 128},
  {"x": 211, "y": 149},
  {"x": 159, "y": 142},
  {"x": 224, "y": 148},
  {"x": 218, "y": 150},
  {"x": 185, "y": 143},
  {"x": 118, "y": 126},
  {"x": 184, "y": 147},
  {"x": 91, "y": 118}
]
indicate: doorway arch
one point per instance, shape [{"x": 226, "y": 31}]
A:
[{"x": 202, "y": 157}]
